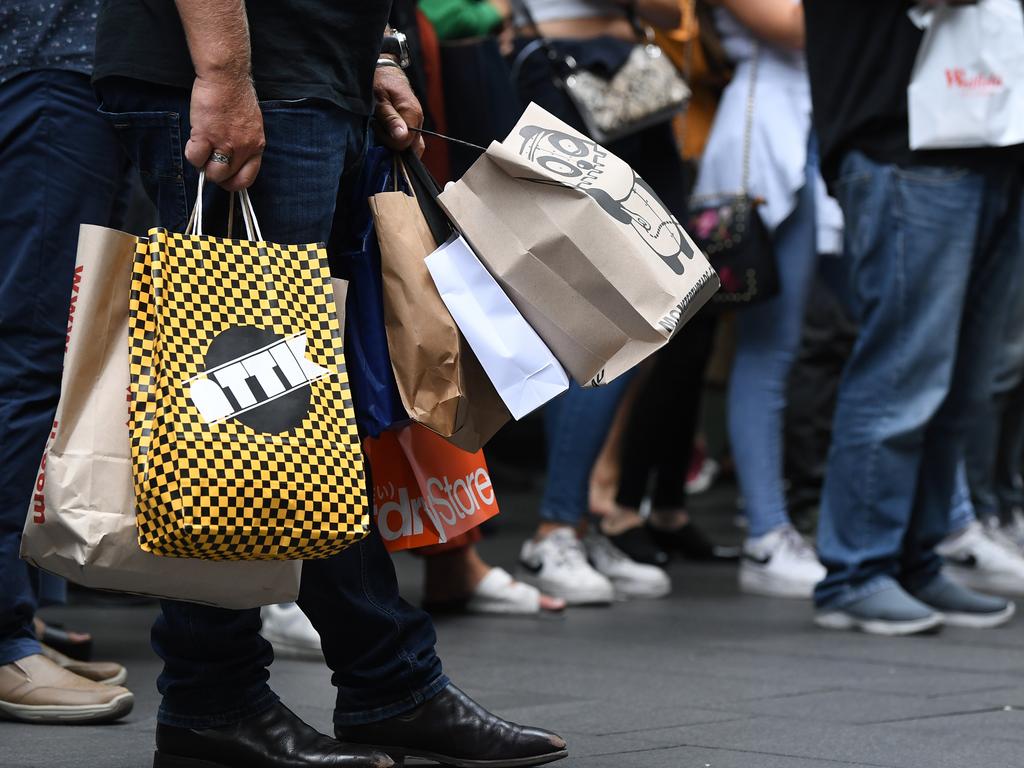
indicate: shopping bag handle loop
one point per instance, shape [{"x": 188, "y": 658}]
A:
[
  {"x": 195, "y": 220},
  {"x": 398, "y": 167}
]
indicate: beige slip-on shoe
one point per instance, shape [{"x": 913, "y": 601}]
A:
[
  {"x": 106, "y": 672},
  {"x": 36, "y": 690}
]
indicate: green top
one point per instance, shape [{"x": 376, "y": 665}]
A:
[{"x": 454, "y": 19}]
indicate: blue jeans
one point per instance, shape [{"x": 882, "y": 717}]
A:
[
  {"x": 767, "y": 342},
  {"x": 60, "y": 165},
  {"x": 380, "y": 648},
  {"x": 576, "y": 425},
  {"x": 930, "y": 254}
]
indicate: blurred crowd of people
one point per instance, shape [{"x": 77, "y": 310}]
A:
[{"x": 871, "y": 412}]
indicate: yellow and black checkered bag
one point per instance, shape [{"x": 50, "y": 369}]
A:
[{"x": 243, "y": 433}]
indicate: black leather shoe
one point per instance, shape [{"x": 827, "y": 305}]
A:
[
  {"x": 690, "y": 542},
  {"x": 638, "y": 544},
  {"x": 452, "y": 729},
  {"x": 276, "y": 738}
]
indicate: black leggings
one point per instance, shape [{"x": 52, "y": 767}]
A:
[{"x": 663, "y": 422}]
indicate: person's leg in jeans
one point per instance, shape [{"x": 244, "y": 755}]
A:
[
  {"x": 575, "y": 425},
  {"x": 553, "y": 560},
  {"x": 915, "y": 240},
  {"x": 767, "y": 341},
  {"x": 776, "y": 560},
  {"x": 61, "y": 167},
  {"x": 379, "y": 647}
]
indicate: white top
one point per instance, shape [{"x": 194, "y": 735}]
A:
[
  {"x": 555, "y": 10},
  {"x": 780, "y": 130}
]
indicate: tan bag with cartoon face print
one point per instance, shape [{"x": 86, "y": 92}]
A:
[{"x": 587, "y": 252}]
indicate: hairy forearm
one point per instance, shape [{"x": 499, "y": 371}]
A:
[{"x": 218, "y": 37}]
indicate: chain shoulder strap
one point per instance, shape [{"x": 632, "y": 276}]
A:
[{"x": 748, "y": 127}]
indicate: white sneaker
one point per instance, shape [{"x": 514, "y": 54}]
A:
[
  {"x": 1011, "y": 532},
  {"x": 780, "y": 564},
  {"x": 628, "y": 577},
  {"x": 557, "y": 565},
  {"x": 980, "y": 560},
  {"x": 290, "y": 632}
]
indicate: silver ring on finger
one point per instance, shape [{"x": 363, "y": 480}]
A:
[{"x": 220, "y": 157}]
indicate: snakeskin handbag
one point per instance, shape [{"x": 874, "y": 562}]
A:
[{"x": 646, "y": 90}]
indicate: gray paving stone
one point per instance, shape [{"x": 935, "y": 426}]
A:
[{"x": 708, "y": 678}]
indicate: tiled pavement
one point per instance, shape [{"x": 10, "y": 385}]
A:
[{"x": 705, "y": 679}]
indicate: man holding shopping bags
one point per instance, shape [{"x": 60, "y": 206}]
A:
[
  {"x": 931, "y": 256},
  {"x": 276, "y": 97}
]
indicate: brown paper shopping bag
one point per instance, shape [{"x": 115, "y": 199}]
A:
[
  {"x": 81, "y": 522},
  {"x": 440, "y": 381},
  {"x": 584, "y": 248},
  {"x": 423, "y": 340}
]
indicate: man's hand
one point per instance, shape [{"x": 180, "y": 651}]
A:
[
  {"x": 227, "y": 125},
  {"x": 226, "y": 120},
  {"x": 397, "y": 110}
]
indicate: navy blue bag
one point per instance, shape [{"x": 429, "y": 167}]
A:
[{"x": 374, "y": 391}]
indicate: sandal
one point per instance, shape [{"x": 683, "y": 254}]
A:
[
  {"x": 76, "y": 645},
  {"x": 498, "y": 593}
]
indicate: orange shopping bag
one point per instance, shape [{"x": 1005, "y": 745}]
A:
[{"x": 425, "y": 490}]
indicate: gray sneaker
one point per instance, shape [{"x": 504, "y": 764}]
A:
[
  {"x": 889, "y": 612},
  {"x": 962, "y": 607}
]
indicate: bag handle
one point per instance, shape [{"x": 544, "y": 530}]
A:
[
  {"x": 195, "y": 220},
  {"x": 424, "y": 189},
  {"x": 556, "y": 60},
  {"x": 748, "y": 129}
]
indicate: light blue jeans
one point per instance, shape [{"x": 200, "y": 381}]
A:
[
  {"x": 930, "y": 255},
  {"x": 576, "y": 424},
  {"x": 767, "y": 343}
]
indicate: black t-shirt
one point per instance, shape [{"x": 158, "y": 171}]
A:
[
  {"x": 860, "y": 54},
  {"x": 300, "y": 48}
]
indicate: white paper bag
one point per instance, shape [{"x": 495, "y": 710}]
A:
[
  {"x": 967, "y": 88},
  {"x": 518, "y": 363}
]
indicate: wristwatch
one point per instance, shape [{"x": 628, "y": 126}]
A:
[{"x": 396, "y": 44}]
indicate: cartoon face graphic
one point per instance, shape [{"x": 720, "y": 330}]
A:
[{"x": 583, "y": 164}]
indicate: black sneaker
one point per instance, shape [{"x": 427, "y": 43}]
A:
[
  {"x": 638, "y": 544},
  {"x": 690, "y": 542}
]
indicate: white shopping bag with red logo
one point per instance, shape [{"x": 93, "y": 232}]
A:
[{"x": 967, "y": 87}]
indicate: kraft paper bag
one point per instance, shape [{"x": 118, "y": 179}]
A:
[
  {"x": 426, "y": 491},
  {"x": 520, "y": 366},
  {"x": 439, "y": 379},
  {"x": 81, "y": 522},
  {"x": 583, "y": 247},
  {"x": 423, "y": 340}
]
